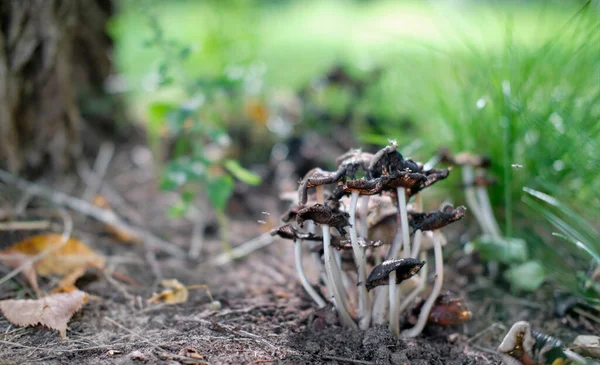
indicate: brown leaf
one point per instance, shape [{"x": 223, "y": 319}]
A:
[
  {"x": 177, "y": 294},
  {"x": 69, "y": 260},
  {"x": 53, "y": 311}
]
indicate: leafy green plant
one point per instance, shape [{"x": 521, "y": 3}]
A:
[
  {"x": 532, "y": 108},
  {"x": 195, "y": 162},
  {"x": 574, "y": 250}
]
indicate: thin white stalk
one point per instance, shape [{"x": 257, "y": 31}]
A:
[
  {"x": 380, "y": 305},
  {"x": 418, "y": 234},
  {"x": 437, "y": 287},
  {"x": 333, "y": 274},
  {"x": 364, "y": 314},
  {"x": 410, "y": 298},
  {"x": 467, "y": 175},
  {"x": 310, "y": 226},
  {"x": 393, "y": 294},
  {"x": 364, "y": 211},
  {"x": 403, "y": 221},
  {"x": 302, "y": 275},
  {"x": 416, "y": 243},
  {"x": 486, "y": 206}
]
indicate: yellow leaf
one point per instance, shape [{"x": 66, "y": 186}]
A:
[
  {"x": 177, "y": 294},
  {"x": 69, "y": 260},
  {"x": 53, "y": 311}
]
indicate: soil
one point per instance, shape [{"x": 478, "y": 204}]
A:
[{"x": 264, "y": 318}]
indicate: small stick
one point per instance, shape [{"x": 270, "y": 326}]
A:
[
  {"x": 105, "y": 155},
  {"x": 25, "y": 225},
  {"x": 346, "y": 359},
  {"x": 86, "y": 208},
  {"x": 197, "y": 240},
  {"x": 245, "y": 249}
]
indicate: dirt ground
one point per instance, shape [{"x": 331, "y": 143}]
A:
[{"x": 265, "y": 317}]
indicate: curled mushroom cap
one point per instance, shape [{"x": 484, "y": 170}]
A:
[
  {"x": 405, "y": 268},
  {"x": 449, "y": 310},
  {"x": 287, "y": 231},
  {"x": 517, "y": 346},
  {"x": 435, "y": 220},
  {"x": 323, "y": 214}
]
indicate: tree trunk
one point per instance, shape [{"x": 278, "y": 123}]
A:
[{"x": 51, "y": 53}]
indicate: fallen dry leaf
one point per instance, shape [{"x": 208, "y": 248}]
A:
[
  {"x": 589, "y": 345},
  {"x": 70, "y": 260},
  {"x": 53, "y": 311},
  {"x": 119, "y": 233},
  {"x": 177, "y": 294}
]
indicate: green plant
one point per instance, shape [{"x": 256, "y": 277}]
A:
[
  {"x": 531, "y": 107},
  {"x": 195, "y": 162}
]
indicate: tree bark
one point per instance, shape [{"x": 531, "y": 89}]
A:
[{"x": 51, "y": 53}]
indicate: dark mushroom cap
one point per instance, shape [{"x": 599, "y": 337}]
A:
[
  {"x": 287, "y": 231},
  {"x": 407, "y": 180},
  {"x": 435, "y": 220},
  {"x": 432, "y": 176},
  {"x": 323, "y": 214},
  {"x": 405, "y": 268},
  {"x": 388, "y": 161}
]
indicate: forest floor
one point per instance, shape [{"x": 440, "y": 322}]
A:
[{"x": 265, "y": 317}]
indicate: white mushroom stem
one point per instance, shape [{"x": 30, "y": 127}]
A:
[
  {"x": 404, "y": 221},
  {"x": 437, "y": 287},
  {"x": 380, "y": 305},
  {"x": 467, "y": 175},
  {"x": 334, "y": 277},
  {"x": 418, "y": 234},
  {"x": 310, "y": 225},
  {"x": 393, "y": 294},
  {"x": 410, "y": 298},
  {"x": 364, "y": 211},
  {"x": 364, "y": 313},
  {"x": 486, "y": 207},
  {"x": 305, "y": 283}
]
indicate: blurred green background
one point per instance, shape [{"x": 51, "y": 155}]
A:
[{"x": 518, "y": 81}]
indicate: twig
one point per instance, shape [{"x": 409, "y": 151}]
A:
[
  {"x": 485, "y": 349},
  {"x": 154, "y": 346},
  {"x": 120, "y": 288},
  {"x": 486, "y": 330},
  {"x": 105, "y": 155},
  {"x": 197, "y": 240},
  {"x": 581, "y": 312},
  {"x": 83, "y": 207},
  {"x": 245, "y": 249},
  {"x": 347, "y": 359},
  {"x": 151, "y": 259},
  {"x": 67, "y": 230},
  {"x": 25, "y": 225}
]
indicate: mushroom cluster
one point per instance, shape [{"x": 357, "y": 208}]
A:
[{"x": 388, "y": 240}]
